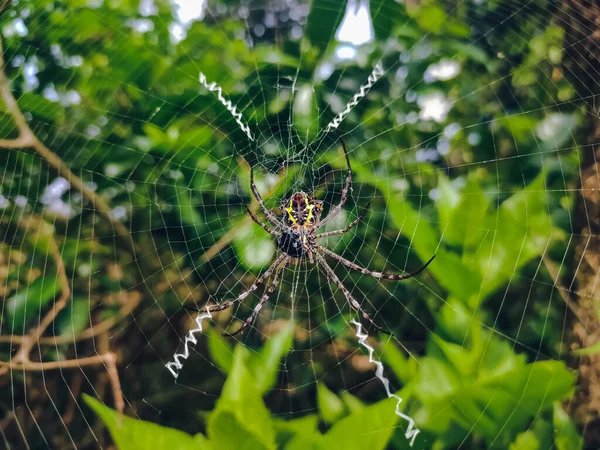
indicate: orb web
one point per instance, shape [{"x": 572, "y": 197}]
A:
[{"x": 465, "y": 128}]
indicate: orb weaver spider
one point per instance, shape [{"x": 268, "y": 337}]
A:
[{"x": 296, "y": 236}]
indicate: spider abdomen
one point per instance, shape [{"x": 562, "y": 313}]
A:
[{"x": 291, "y": 243}]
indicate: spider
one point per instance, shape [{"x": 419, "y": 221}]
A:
[{"x": 296, "y": 236}]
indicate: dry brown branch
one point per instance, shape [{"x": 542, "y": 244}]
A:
[
  {"x": 102, "y": 327},
  {"x": 34, "y": 366},
  {"x": 113, "y": 374},
  {"x": 27, "y": 139}
]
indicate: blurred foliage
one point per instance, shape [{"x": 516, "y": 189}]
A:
[{"x": 486, "y": 184}]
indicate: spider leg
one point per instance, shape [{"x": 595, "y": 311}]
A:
[
  {"x": 267, "y": 273},
  {"x": 387, "y": 276},
  {"x": 348, "y": 228},
  {"x": 270, "y": 289},
  {"x": 272, "y": 217},
  {"x": 258, "y": 222},
  {"x": 335, "y": 211},
  {"x": 351, "y": 300}
]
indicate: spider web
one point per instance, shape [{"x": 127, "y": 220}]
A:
[{"x": 467, "y": 141}]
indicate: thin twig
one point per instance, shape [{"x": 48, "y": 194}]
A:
[
  {"x": 34, "y": 366},
  {"x": 113, "y": 374},
  {"x": 88, "y": 333}
]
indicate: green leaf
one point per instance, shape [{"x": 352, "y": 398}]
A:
[
  {"x": 565, "y": 433},
  {"x": 354, "y": 404},
  {"x": 27, "y": 302},
  {"x": 287, "y": 430},
  {"x": 462, "y": 214},
  {"x": 331, "y": 408},
  {"x": 220, "y": 350},
  {"x": 323, "y": 21},
  {"x": 520, "y": 231},
  {"x": 241, "y": 419},
  {"x": 385, "y": 14},
  {"x": 405, "y": 368},
  {"x": 40, "y": 106},
  {"x": 253, "y": 245},
  {"x": 525, "y": 441},
  {"x": 370, "y": 428},
  {"x": 536, "y": 386},
  {"x": 129, "y": 433},
  {"x": 302, "y": 442},
  {"x": 306, "y": 113},
  {"x": 265, "y": 365},
  {"x": 431, "y": 17},
  {"x": 74, "y": 318},
  {"x": 436, "y": 379}
]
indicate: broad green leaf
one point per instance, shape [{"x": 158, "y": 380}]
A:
[
  {"x": 240, "y": 418},
  {"x": 287, "y": 430},
  {"x": 455, "y": 319},
  {"x": 306, "y": 113},
  {"x": 220, "y": 350},
  {"x": 266, "y": 364},
  {"x": 323, "y": 21},
  {"x": 404, "y": 367},
  {"x": 462, "y": 214},
  {"x": 431, "y": 17},
  {"x": 519, "y": 232},
  {"x": 129, "y": 433},
  {"x": 254, "y": 246},
  {"x": 354, "y": 404},
  {"x": 566, "y": 436},
  {"x": 537, "y": 385},
  {"x": 74, "y": 318},
  {"x": 331, "y": 408},
  {"x": 446, "y": 206},
  {"x": 525, "y": 441},
  {"x": 437, "y": 379},
  {"x": 27, "y": 302},
  {"x": 370, "y": 428},
  {"x": 305, "y": 442},
  {"x": 40, "y": 106},
  {"x": 183, "y": 200},
  {"x": 461, "y": 279},
  {"x": 385, "y": 15},
  {"x": 226, "y": 430}
]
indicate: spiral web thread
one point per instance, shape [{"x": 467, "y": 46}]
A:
[
  {"x": 362, "y": 92},
  {"x": 237, "y": 115},
  {"x": 176, "y": 365},
  {"x": 362, "y": 336}
]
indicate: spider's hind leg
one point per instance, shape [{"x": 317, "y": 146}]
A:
[
  {"x": 269, "y": 290},
  {"x": 351, "y": 300}
]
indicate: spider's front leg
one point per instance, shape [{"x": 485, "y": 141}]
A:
[
  {"x": 335, "y": 211},
  {"x": 272, "y": 217},
  {"x": 261, "y": 224},
  {"x": 372, "y": 273},
  {"x": 348, "y": 227}
]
